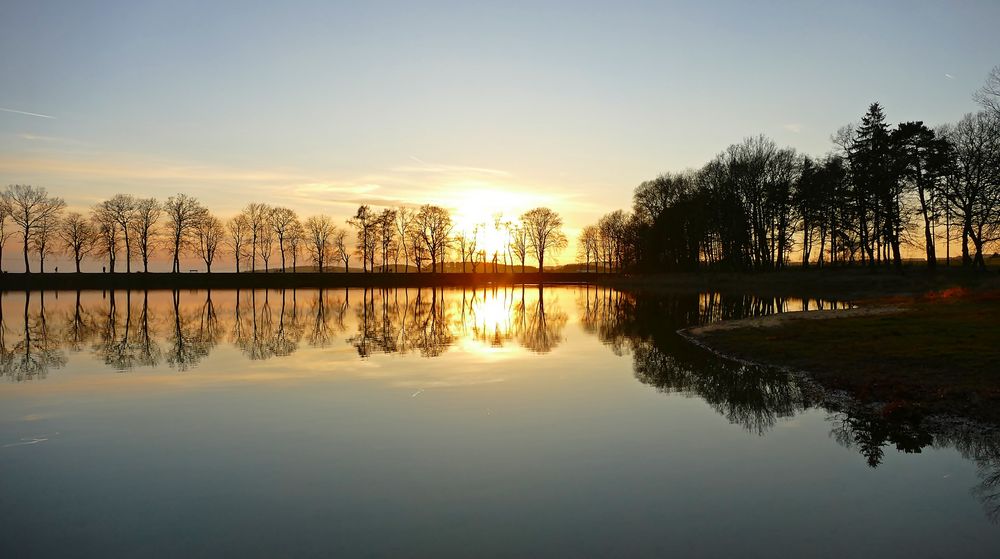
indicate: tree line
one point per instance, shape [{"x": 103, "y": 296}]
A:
[
  {"x": 760, "y": 206},
  {"x": 134, "y": 229}
]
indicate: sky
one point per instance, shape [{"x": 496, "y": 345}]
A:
[{"x": 477, "y": 106}]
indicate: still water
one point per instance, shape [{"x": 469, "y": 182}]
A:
[{"x": 568, "y": 421}]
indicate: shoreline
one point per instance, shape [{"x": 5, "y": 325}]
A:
[
  {"x": 920, "y": 357},
  {"x": 845, "y": 284}
]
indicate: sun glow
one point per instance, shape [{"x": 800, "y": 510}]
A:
[{"x": 487, "y": 214}]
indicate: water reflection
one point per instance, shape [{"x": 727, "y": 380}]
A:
[
  {"x": 128, "y": 330},
  {"x": 133, "y": 330}
]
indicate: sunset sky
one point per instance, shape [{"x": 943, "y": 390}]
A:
[{"x": 480, "y": 107}]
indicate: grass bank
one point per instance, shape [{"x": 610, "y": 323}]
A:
[{"x": 938, "y": 352}]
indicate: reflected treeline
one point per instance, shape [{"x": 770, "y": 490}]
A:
[
  {"x": 29, "y": 351},
  {"x": 646, "y": 326},
  {"x": 135, "y": 329},
  {"x": 756, "y": 397}
]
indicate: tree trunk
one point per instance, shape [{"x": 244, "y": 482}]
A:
[{"x": 27, "y": 266}]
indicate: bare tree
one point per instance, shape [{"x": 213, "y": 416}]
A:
[
  {"x": 106, "y": 224},
  {"x": 466, "y": 242},
  {"x": 45, "y": 239},
  {"x": 147, "y": 215},
  {"x": 265, "y": 240},
  {"x": 973, "y": 189},
  {"x": 4, "y": 219},
  {"x": 108, "y": 239},
  {"x": 239, "y": 235},
  {"x": 365, "y": 225},
  {"x": 519, "y": 242},
  {"x": 255, "y": 215},
  {"x": 184, "y": 213},
  {"x": 544, "y": 231},
  {"x": 340, "y": 246},
  {"x": 433, "y": 224},
  {"x": 78, "y": 236},
  {"x": 385, "y": 230},
  {"x": 296, "y": 240},
  {"x": 209, "y": 233},
  {"x": 121, "y": 208},
  {"x": 404, "y": 220},
  {"x": 29, "y": 207},
  {"x": 320, "y": 233},
  {"x": 283, "y": 222},
  {"x": 989, "y": 95},
  {"x": 587, "y": 247}
]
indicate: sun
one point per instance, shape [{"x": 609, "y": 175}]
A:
[{"x": 487, "y": 212}]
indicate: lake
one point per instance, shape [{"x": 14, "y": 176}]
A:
[{"x": 496, "y": 422}]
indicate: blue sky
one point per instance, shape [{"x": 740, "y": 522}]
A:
[{"x": 321, "y": 105}]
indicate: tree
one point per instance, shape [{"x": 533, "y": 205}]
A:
[
  {"x": 972, "y": 189},
  {"x": 107, "y": 225},
  {"x": 340, "y": 246},
  {"x": 239, "y": 235},
  {"x": 283, "y": 222},
  {"x": 320, "y": 232},
  {"x": 404, "y": 222},
  {"x": 147, "y": 215},
  {"x": 209, "y": 233},
  {"x": 108, "y": 239},
  {"x": 4, "y": 219},
  {"x": 365, "y": 225},
  {"x": 121, "y": 209},
  {"x": 466, "y": 242},
  {"x": 922, "y": 160},
  {"x": 184, "y": 213},
  {"x": 29, "y": 207},
  {"x": 433, "y": 224},
  {"x": 296, "y": 239},
  {"x": 519, "y": 242},
  {"x": 265, "y": 240},
  {"x": 544, "y": 233},
  {"x": 385, "y": 231},
  {"x": 989, "y": 95},
  {"x": 78, "y": 236},
  {"x": 44, "y": 241},
  {"x": 587, "y": 245},
  {"x": 877, "y": 187},
  {"x": 256, "y": 216}
]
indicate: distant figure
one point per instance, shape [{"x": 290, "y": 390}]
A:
[
  {"x": 57, "y": 269},
  {"x": 104, "y": 269}
]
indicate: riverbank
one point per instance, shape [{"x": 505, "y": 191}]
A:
[{"x": 929, "y": 354}]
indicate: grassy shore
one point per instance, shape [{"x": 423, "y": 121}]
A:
[{"x": 937, "y": 352}]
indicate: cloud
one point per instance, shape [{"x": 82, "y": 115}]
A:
[
  {"x": 949, "y": 76},
  {"x": 794, "y": 127},
  {"x": 17, "y": 112},
  {"x": 48, "y": 139}
]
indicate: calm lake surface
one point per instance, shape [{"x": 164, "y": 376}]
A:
[{"x": 568, "y": 421}]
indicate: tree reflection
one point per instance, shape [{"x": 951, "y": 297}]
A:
[
  {"x": 193, "y": 333},
  {"x": 36, "y": 352},
  {"x": 124, "y": 341}
]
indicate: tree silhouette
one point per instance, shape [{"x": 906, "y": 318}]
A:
[
  {"x": 543, "y": 228},
  {"x": 31, "y": 209}
]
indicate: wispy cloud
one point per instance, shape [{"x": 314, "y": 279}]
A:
[
  {"x": 17, "y": 112},
  {"x": 949, "y": 76},
  {"x": 47, "y": 139}
]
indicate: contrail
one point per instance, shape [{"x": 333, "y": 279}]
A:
[{"x": 25, "y": 113}]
